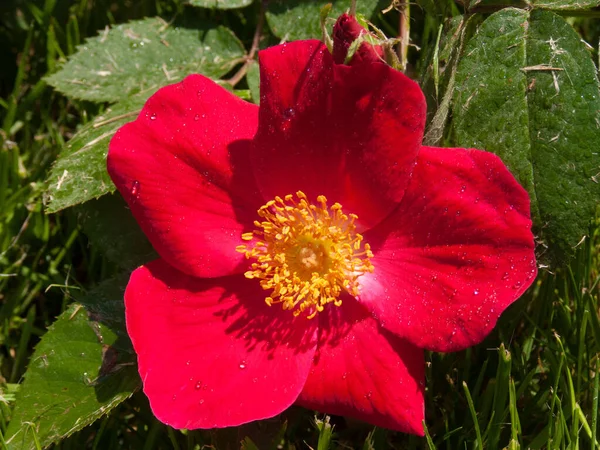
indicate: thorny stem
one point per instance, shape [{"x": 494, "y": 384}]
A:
[
  {"x": 237, "y": 77},
  {"x": 404, "y": 32}
]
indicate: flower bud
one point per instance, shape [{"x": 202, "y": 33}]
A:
[{"x": 347, "y": 34}]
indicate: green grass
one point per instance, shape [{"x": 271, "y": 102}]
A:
[{"x": 532, "y": 384}]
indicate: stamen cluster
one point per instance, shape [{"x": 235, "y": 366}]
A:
[{"x": 306, "y": 254}]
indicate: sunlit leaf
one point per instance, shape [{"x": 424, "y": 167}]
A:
[
  {"x": 83, "y": 367},
  {"x": 527, "y": 90},
  {"x": 144, "y": 55}
]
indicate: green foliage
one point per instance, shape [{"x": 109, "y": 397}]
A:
[
  {"x": 221, "y": 4},
  {"x": 565, "y": 4},
  {"x": 253, "y": 80},
  {"x": 83, "y": 367},
  {"x": 110, "y": 226},
  {"x": 559, "y": 5},
  {"x": 299, "y": 19},
  {"x": 527, "y": 90},
  {"x": 142, "y": 56}
]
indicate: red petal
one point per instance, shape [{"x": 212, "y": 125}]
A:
[
  {"x": 210, "y": 352},
  {"x": 345, "y": 31},
  {"x": 182, "y": 168},
  {"x": 349, "y": 133},
  {"x": 455, "y": 254},
  {"x": 363, "y": 371}
]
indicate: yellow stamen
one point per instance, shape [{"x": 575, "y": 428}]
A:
[{"x": 306, "y": 254}]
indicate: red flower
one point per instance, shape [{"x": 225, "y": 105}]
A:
[{"x": 429, "y": 246}]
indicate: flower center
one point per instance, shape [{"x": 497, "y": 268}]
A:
[{"x": 306, "y": 254}]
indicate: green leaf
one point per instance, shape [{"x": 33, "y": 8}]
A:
[
  {"x": 527, "y": 90},
  {"x": 111, "y": 228},
  {"x": 144, "y": 55},
  {"x": 80, "y": 173},
  {"x": 253, "y": 80},
  {"x": 299, "y": 19},
  {"x": 220, "y": 4},
  {"x": 82, "y": 368},
  {"x": 564, "y": 5},
  {"x": 483, "y": 4}
]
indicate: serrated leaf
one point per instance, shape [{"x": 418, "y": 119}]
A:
[
  {"x": 220, "y": 4},
  {"x": 299, "y": 19},
  {"x": 527, "y": 90},
  {"x": 144, "y": 55},
  {"x": 80, "y": 173},
  {"x": 111, "y": 228},
  {"x": 82, "y": 368},
  {"x": 565, "y": 5}
]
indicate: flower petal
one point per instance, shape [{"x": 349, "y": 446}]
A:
[
  {"x": 351, "y": 133},
  {"x": 211, "y": 353},
  {"x": 455, "y": 254},
  {"x": 363, "y": 371},
  {"x": 182, "y": 168}
]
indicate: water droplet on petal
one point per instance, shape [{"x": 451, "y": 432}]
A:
[
  {"x": 243, "y": 365},
  {"x": 476, "y": 292},
  {"x": 153, "y": 116},
  {"x": 198, "y": 385},
  {"x": 505, "y": 276},
  {"x": 135, "y": 189},
  {"x": 196, "y": 117}
]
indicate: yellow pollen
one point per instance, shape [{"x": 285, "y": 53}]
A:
[{"x": 307, "y": 255}]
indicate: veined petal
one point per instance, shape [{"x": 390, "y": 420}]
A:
[
  {"x": 363, "y": 371},
  {"x": 211, "y": 353},
  {"x": 182, "y": 167},
  {"x": 456, "y": 252},
  {"x": 351, "y": 133}
]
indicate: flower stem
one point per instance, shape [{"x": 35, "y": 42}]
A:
[
  {"x": 404, "y": 32},
  {"x": 240, "y": 74}
]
